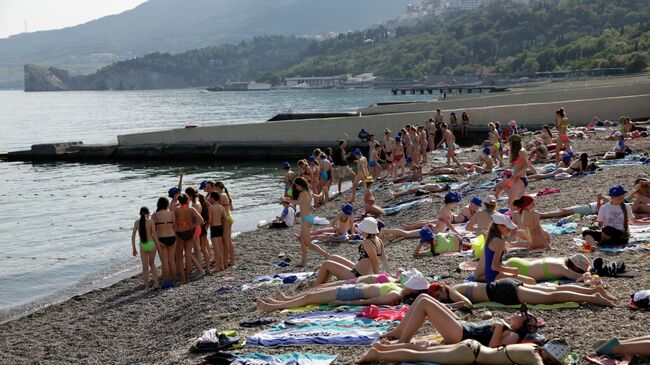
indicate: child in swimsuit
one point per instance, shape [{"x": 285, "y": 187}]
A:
[
  {"x": 326, "y": 173},
  {"x": 185, "y": 220},
  {"x": 398, "y": 158},
  {"x": 146, "y": 230},
  {"x": 342, "y": 228},
  {"x": 529, "y": 226},
  {"x": 216, "y": 221},
  {"x": 469, "y": 210},
  {"x": 371, "y": 208},
  {"x": 163, "y": 219},
  {"x": 437, "y": 243},
  {"x": 288, "y": 177},
  {"x": 485, "y": 162},
  {"x": 362, "y": 173},
  {"x": 482, "y": 220}
]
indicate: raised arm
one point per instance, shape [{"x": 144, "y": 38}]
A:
[{"x": 180, "y": 179}]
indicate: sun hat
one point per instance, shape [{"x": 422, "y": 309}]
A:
[
  {"x": 347, "y": 209},
  {"x": 580, "y": 261},
  {"x": 616, "y": 190},
  {"x": 487, "y": 150},
  {"x": 417, "y": 282},
  {"x": 503, "y": 220},
  {"x": 406, "y": 275},
  {"x": 387, "y": 130},
  {"x": 426, "y": 235},
  {"x": 173, "y": 191},
  {"x": 286, "y": 166},
  {"x": 558, "y": 349},
  {"x": 642, "y": 176},
  {"x": 452, "y": 197},
  {"x": 476, "y": 201},
  {"x": 369, "y": 226},
  {"x": 203, "y": 185},
  {"x": 490, "y": 199}
]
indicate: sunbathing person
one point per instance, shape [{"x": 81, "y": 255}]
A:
[
  {"x": 575, "y": 267},
  {"x": 529, "y": 227},
  {"x": 470, "y": 352},
  {"x": 620, "y": 150},
  {"x": 481, "y": 221},
  {"x": 641, "y": 194},
  {"x": 638, "y": 346},
  {"x": 371, "y": 251},
  {"x": 538, "y": 151},
  {"x": 579, "y": 166},
  {"x": 485, "y": 162},
  {"x": 370, "y": 207},
  {"x": 514, "y": 292},
  {"x": 583, "y": 210},
  {"x": 414, "y": 174},
  {"x": 419, "y": 188},
  {"x": 342, "y": 227},
  {"x": 445, "y": 217},
  {"x": 492, "y": 333},
  {"x": 436, "y": 244},
  {"x": 463, "y": 168},
  {"x": 469, "y": 210}
]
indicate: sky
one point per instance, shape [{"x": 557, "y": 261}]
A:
[{"x": 55, "y": 14}]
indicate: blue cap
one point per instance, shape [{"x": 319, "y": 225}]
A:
[
  {"x": 347, "y": 209},
  {"x": 311, "y": 159},
  {"x": 203, "y": 185},
  {"x": 616, "y": 190},
  {"x": 487, "y": 150},
  {"x": 452, "y": 197},
  {"x": 567, "y": 157},
  {"x": 426, "y": 235},
  {"x": 357, "y": 152},
  {"x": 476, "y": 201},
  {"x": 398, "y": 139},
  {"x": 173, "y": 191},
  {"x": 286, "y": 166}
]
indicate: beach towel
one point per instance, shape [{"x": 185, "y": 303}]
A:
[
  {"x": 385, "y": 313},
  {"x": 321, "y": 307},
  {"x": 277, "y": 279},
  {"x": 398, "y": 207},
  {"x": 314, "y": 334},
  {"x": 213, "y": 340},
  {"x": 284, "y": 359},
  {"x": 566, "y": 305},
  {"x": 547, "y": 192},
  {"x": 330, "y": 318},
  {"x": 606, "y": 360},
  {"x": 554, "y": 230}
]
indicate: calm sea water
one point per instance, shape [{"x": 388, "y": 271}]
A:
[{"x": 66, "y": 226}]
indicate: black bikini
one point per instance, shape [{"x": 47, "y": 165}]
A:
[
  {"x": 216, "y": 231},
  {"x": 364, "y": 255},
  {"x": 167, "y": 241}
]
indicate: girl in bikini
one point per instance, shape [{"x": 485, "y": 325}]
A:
[
  {"x": 326, "y": 173},
  {"x": 201, "y": 240},
  {"x": 445, "y": 217},
  {"x": 579, "y": 166},
  {"x": 342, "y": 227},
  {"x": 427, "y": 188},
  {"x": 469, "y": 210},
  {"x": 562, "y": 125},
  {"x": 495, "y": 144},
  {"x": 226, "y": 202},
  {"x": 362, "y": 174},
  {"x": 398, "y": 159},
  {"x": 371, "y": 251},
  {"x": 314, "y": 169},
  {"x": 490, "y": 266},
  {"x": 373, "y": 162},
  {"x": 481, "y": 221},
  {"x": 546, "y": 135},
  {"x": 163, "y": 219},
  {"x": 185, "y": 220},
  {"x": 216, "y": 221},
  {"x": 424, "y": 144},
  {"x": 389, "y": 144},
  {"x": 464, "y": 125},
  {"x": 146, "y": 229},
  {"x": 436, "y": 244},
  {"x": 485, "y": 162},
  {"x": 575, "y": 267},
  {"x": 369, "y": 201},
  {"x": 518, "y": 182},
  {"x": 529, "y": 226}
]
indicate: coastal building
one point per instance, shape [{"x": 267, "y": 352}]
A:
[
  {"x": 459, "y": 5},
  {"x": 316, "y": 82}
]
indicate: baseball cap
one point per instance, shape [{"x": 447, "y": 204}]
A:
[
  {"x": 173, "y": 191},
  {"x": 580, "y": 261},
  {"x": 503, "y": 220},
  {"x": 347, "y": 209},
  {"x": 311, "y": 159},
  {"x": 203, "y": 185},
  {"x": 426, "y": 235},
  {"x": 487, "y": 150},
  {"x": 476, "y": 201},
  {"x": 286, "y": 166},
  {"x": 398, "y": 139},
  {"x": 357, "y": 152},
  {"x": 616, "y": 190},
  {"x": 642, "y": 176},
  {"x": 490, "y": 199},
  {"x": 452, "y": 197}
]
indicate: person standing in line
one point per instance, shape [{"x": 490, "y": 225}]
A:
[{"x": 340, "y": 158}]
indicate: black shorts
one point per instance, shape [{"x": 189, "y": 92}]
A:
[
  {"x": 504, "y": 291},
  {"x": 167, "y": 241},
  {"x": 278, "y": 225},
  {"x": 608, "y": 236},
  {"x": 216, "y": 231}
]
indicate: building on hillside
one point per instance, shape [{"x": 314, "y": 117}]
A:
[{"x": 456, "y": 5}]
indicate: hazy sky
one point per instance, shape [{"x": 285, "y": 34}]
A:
[{"x": 54, "y": 14}]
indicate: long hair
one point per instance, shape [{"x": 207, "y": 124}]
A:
[
  {"x": 163, "y": 204},
  {"x": 584, "y": 159},
  {"x": 492, "y": 233},
  {"x": 300, "y": 181},
  {"x": 546, "y": 127},
  {"x": 561, "y": 113},
  {"x": 192, "y": 193},
  {"x": 204, "y": 207},
  {"x": 142, "y": 224},
  {"x": 490, "y": 208},
  {"x": 223, "y": 188},
  {"x": 183, "y": 199},
  {"x": 515, "y": 147},
  {"x": 464, "y": 116}
]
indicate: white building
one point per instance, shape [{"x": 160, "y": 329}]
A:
[{"x": 464, "y": 4}]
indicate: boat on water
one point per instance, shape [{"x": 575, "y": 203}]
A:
[{"x": 241, "y": 86}]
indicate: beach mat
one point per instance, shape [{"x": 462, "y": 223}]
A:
[
  {"x": 555, "y": 230},
  {"x": 321, "y": 307},
  {"x": 277, "y": 279},
  {"x": 315, "y": 334},
  {"x": 398, "y": 207},
  {"x": 566, "y": 305},
  {"x": 295, "y": 358}
]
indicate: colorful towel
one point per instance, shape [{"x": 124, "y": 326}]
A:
[
  {"x": 554, "y": 230},
  {"x": 330, "y": 318},
  {"x": 315, "y": 334},
  {"x": 567, "y": 305},
  {"x": 321, "y": 307},
  {"x": 277, "y": 279},
  {"x": 396, "y": 208},
  {"x": 284, "y": 359}
]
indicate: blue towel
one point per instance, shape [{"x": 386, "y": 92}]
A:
[
  {"x": 315, "y": 334},
  {"x": 554, "y": 230},
  {"x": 284, "y": 359}
]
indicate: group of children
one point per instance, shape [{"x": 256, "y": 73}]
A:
[{"x": 178, "y": 232}]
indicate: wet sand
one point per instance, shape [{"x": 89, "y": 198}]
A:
[{"x": 121, "y": 324}]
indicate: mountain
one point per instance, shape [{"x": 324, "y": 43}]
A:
[{"x": 179, "y": 25}]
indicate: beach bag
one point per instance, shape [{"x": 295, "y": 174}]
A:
[
  {"x": 642, "y": 299},
  {"x": 478, "y": 246}
]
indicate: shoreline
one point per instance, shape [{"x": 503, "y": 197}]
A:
[{"x": 120, "y": 324}]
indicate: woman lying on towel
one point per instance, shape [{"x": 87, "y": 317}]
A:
[
  {"x": 553, "y": 352},
  {"x": 579, "y": 166},
  {"x": 583, "y": 210},
  {"x": 513, "y": 292},
  {"x": 416, "y": 189},
  {"x": 575, "y": 267},
  {"x": 492, "y": 333},
  {"x": 436, "y": 244}
]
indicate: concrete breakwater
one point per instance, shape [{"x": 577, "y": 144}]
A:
[{"x": 294, "y": 139}]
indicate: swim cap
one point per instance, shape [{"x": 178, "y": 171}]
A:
[
  {"x": 566, "y": 157},
  {"x": 357, "y": 152},
  {"x": 173, "y": 191},
  {"x": 452, "y": 197},
  {"x": 286, "y": 166},
  {"x": 203, "y": 185},
  {"x": 397, "y": 139},
  {"x": 347, "y": 209},
  {"x": 426, "y": 235},
  {"x": 476, "y": 201},
  {"x": 433, "y": 287},
  {"x": 487, "y": 150},
  {"x": 311, "y": 159}
]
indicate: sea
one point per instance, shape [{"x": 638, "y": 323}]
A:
[{"x": 66, "y": 227}]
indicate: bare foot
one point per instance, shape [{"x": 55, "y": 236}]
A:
[
  {"x": 264, "y": 307},
  {"x": 600, "y": 300},
  {"x": 390, "y": 335},
  {"x": 280, "y": 295},
  {"x": 370, "y": 356},
  {"x": 604, "y": 292}
]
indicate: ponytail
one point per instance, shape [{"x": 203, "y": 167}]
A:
[
  {"x": 561, "y": 112},
  {"x": 626, "y": 224},
  {"x": 142, "y": 224}
]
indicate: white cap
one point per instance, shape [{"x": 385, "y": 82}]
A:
[
  {"x": 504, "y": 220},
  {"x": 369, "y": 225},
  {"x": 490, "y": 199},
  {"x": 618, "y": 134},
  {"x": 558, "y": 349},
  {"x": 417, "y": 282}
]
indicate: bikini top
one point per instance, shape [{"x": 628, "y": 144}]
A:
[
  {"x": 364, "y": 255},
  {"x": 155, "y": 218},
  {"x": 187, "y": 223}
]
